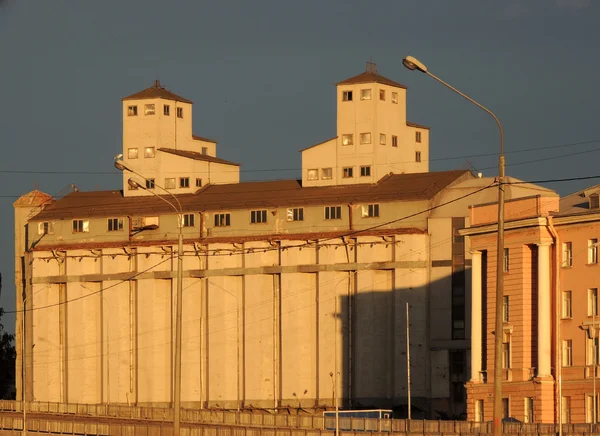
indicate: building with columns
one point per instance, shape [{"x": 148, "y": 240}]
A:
[
  {"x": 550, "y": 336},
  {"x": 284, "y": 282}
]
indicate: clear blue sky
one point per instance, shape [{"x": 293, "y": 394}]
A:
[{"x": 261, "y": 75}]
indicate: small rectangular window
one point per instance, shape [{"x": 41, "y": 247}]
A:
[
  {"x": 370, "y": 210},
  {"x": 258, "y": 216},
  {"x": 506, "y": 262},
  {"x": 326, "y": 173},
  {"x": 132, "y": 111},
  {"x": 394, "y": 141},
  {"x": 506, "y": 350},
  {"x": 382, "y": 138},
  {"x": 567, "y": 304},
  {"x": 46, "y": 228},
  {"x": 198, "y": 183},
  {"x": 81, "y": 226},
  {"x": 295, "y": 214},
  {"x": 347, "y": 172},
  {"x": 382, "y": 94},
  {"x": 170, "y": 183},
  {"x": 365, "y": 138},
  {"x": 166, "y": 109},
  {"x": 505, "y": 308},
  {"x": 313, "y": 174},
  {"x": 365, "y": 171},
  {"x": 115, "y": 224},
  {"x": 149, "y": 152},
  {"x": 347, "y": 139},
  {"x": 567, "y": 352},
  {"x": 204, "y": 151},
  {"x": 184, "y": 182},
  {"x": 333, "y": 212},
  {"x": 187, "y": 220},
  {"x": 222, "y": 220},
  {"x": 132, "y": 153},
  {"x": 395, "y": 97},
  {"x": 150, "y": 221},
  {"x": 418, "y": 136},
  {"x": 592, "y": 251},
  {"x": 479, "y": 416},
  {"x": 417, "y": 156},
  {"x": 365, "y": 94},
  {"x": 594, "y": 201},
  {"x": 150, "y": 184},
  {"x": 148, "y": 109},
  {"x": 566, "y": 410},
  {"x": 179, "y": 112},
  {"x": 567, "y": 250},
  {"x": 347, "y": 96},
  {"x": 593, "y": 302}
]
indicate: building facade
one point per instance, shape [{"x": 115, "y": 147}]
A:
[
  {"x": 550, "y": 336},
  {"x": 292, "y": 290}
]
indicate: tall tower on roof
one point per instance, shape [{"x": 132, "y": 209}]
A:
[
  {"x": 373, "y": 137},
  {"x": 158, "y": 144}
]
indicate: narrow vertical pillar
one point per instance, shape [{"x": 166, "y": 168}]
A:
[
  {"x": 476, "y": 314},
  {"x": 544, "y": 336}
]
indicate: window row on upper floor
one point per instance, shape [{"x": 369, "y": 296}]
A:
[
  {"x": 150, "y": 152},
  {"x": 366, "y": 138},
  {"x": 220, "y": 219},
  {"x": 150, "y": 109},
  {"x": 591, "y": 248},
  {"x": 169, "y": 183},
  {"x": 366, "y": 94}
]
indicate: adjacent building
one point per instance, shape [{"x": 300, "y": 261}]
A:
[
  {"x": 550, "y": 308},
  {"x": 292, "y": 289}
]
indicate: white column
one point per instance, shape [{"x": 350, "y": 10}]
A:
[
  {"x": 544, "y": 335},
  {"x": 476, "y": 314}
]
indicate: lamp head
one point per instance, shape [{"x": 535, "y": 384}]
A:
[
  {"x": 134, "y": 184},
  {"x": 120, "y": 166},
  {"x": 414, "y": 64}
]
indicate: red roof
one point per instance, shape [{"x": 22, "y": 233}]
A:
[
  {"x": 370, "y": 77},
  {"x": 156, "y": 91},
  {"x": 197, "y": 156},
  {"x": 280, "y": 193}
]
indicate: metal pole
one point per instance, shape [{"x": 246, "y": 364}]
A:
[
  {"x": 499, "y": 267},
  {"x": 23, "y": 360},
  {"x": 408, "y": 359},
  {"x": 337, "y": 409},
  {"x": 177, "y": 418}
]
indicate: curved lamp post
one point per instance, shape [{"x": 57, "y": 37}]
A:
[
  {"x": 178, "y": 317},
  {"x": 414, "y": 64}
]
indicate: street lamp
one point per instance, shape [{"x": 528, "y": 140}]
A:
[
  {"x": 177, "y": 370},
  {"x": 414, "y": 64}
]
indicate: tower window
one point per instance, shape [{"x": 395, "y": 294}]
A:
[
  {"x": 132, "y": 153},
  {"x": 382, "y": 94},
  {"x": 204, "y": 151},
  {"x": 148, "y": 109},
  {"x": 166, "y": 109},
  {"x": 313, "y": 174},
  {"x": 347, "y": 139},
  {"x": 395, "y": 97},
  {"x": 149, "y": 152},
  {"x": 382, "y": 138},
  {"x": 179, "y": 112},
  {"x": 394, "y": 141},
  {"x": 417, "y": 156},
  {"x": 365, "y": 94},
  {"x": 149, "y": 183},
  {"x": 170, "y": 183},
  {"x": 347, "y": 96},
  {"x": 365, "y": 138},
  {"x": 365, "y": 171},
  {"x": 132, "y": 111},
  {"x": 347, "y": 173},
  {"x": 326, "y": 173},
  {"x": 198, "y": 183},
  {"x": 184, "y": 182},
  {"x": 418, "y": 136}
]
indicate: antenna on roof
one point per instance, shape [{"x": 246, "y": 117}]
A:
[
  {"x": 157, "y": 83},
  {"x": 35, "y": 185},
  {"x": 371, "y": 66}
]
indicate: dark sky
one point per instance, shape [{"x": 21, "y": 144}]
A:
[{"x": 261, "y": 75}]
